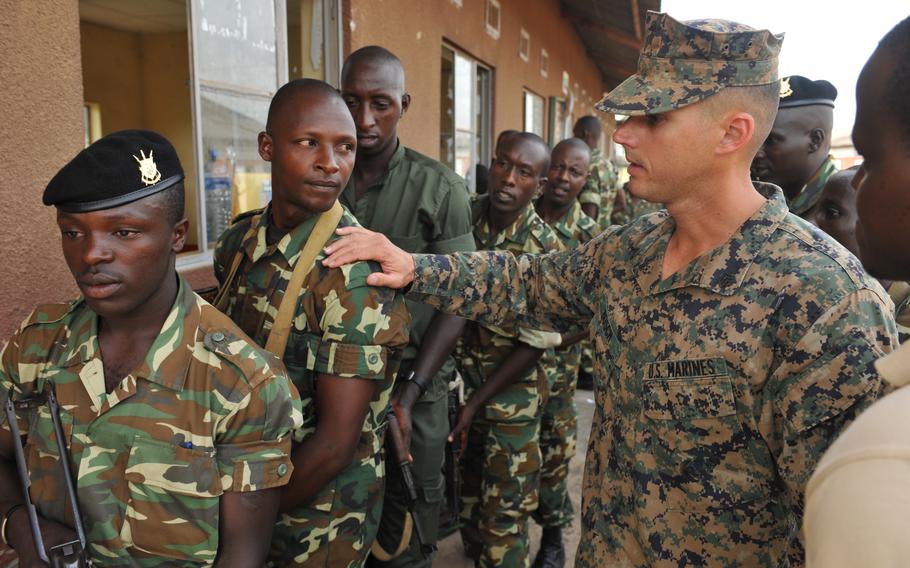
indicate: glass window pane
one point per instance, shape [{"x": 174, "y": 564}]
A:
[
  {"x": 236, "y": 43},
  {"x": 447, "y": 109},
  {"x": 236, "y": 179}
]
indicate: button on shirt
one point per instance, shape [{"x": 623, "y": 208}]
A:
[{"x": 717, "y": 389}]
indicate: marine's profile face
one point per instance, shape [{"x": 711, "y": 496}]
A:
[
  {"x": 120, "y": 257},
  {"x": 883, "y": 180},
  {"x": 374, "y": 94},
  {"x": 311, "y": 148},
  {"x": 567, "y": 174},
  {"x": 666, "y": 152},
  {"x": 785, "y": 158},
  {"x": 835, "y": 212},
  {"x": 515, "y": 175}
]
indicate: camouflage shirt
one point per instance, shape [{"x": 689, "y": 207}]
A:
[
  {"x": 342, "y": 327},
  {"x": 206, "y": 412},
  {"x": 900, "y": 295},
  {"x": 717, "y": 389},
  {"x": 635, "y": 208},
  {"x": 600, "y": 188},
  {"x": 483, "y": 348},
  {"x": 810, "y": 193}
]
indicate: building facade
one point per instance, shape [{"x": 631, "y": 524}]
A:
[{"x": 202, "y": 73}]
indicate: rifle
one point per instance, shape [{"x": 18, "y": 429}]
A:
[
  {"x": 453, "y": 454},
  {"x": 69, "y": 554},
  {"x": 400, "y": 453}
]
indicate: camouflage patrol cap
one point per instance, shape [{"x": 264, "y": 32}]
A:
[
  {"x": 682, "y": 63},
  {"x": 119, "y": 168}
]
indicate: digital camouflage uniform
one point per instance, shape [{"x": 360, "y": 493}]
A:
[
  {"x": 205, "y": 413},
  {"x": 421, "y": 206},
  {"x": 600, "y": 187},
  {"x": 501, "y": 464},
  {"x": 558, "y": 422},
  {"x": 809, "y": 195},
  {"x": 717, "y": 389},
  {"x": 342, "y": 327}
]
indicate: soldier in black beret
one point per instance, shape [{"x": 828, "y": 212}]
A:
[
  {"x": 178, "y": 425},
  {"x": 795, "y": 154}
]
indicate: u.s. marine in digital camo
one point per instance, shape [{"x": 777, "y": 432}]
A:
[{"x": 724, "y": 371}]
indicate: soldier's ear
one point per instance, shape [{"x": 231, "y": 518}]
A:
[
  {"x": 265, "y": 146},
  {"x": 816, "y": 139},
  {"x": 178, "y": 239},
  {"x": 405, "y": 104}
]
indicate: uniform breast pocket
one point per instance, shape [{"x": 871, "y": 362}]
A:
[
  {"x": 174, "y": 495},
  {"x": 692, "y": 429}
]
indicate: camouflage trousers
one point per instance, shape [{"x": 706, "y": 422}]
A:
[
  {"x": 500, "y": 482},
  {"x": 558, "y": 425},
  {"x": 337, "y": 528}
]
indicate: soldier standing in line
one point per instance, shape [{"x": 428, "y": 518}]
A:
[
  {"x": 733, "y": 340},
  {"x": 599, "y": 193},
  {"x": 178, "y": 426},
  {"x": 422, "y": 206},
  {"x": 504, "y": 372},
  {"x": 344, "y": 344},
  {"x": 795, "y": 155},
  {"x": 560, "y": 209},
  {"x": 856, "y": 500}
]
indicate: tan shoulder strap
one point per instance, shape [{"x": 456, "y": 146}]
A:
[
  {"x": 220, "y": 300},
  {"x": 281, "y": 329}
]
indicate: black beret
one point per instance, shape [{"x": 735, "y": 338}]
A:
[
  {"x": 796, "y": 91},
  {"x": 117, "y": 169}
]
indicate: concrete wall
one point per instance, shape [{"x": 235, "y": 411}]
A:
[
  {"x": 416, "y": 31},
  {"x": 41, "y": 97}
]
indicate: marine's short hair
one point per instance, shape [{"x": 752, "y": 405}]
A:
[
  {"x": 291, "y": 90},
  {"x": 761, "y": 101},
  {"x": 897, "y": 91}
]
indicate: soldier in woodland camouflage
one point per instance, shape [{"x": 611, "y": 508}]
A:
[
  {"x": 346, "y": 339},
  {"x": 733, "y": 339},
  {"x": 560, "y": 209},
  {"x": 504, "y": 372},
  {"x": 178, "y": 426},
  {"x": 599, "y": 192}
]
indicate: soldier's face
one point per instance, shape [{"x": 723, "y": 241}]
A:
[
  {"x": 835, "y": 212},
  {"x": 121, "y": 257},
  {"x": 516, "y": 175},
  {"x": 311, "y": 148},
  {"x": 374, "y": 93},
  {"x": 785, "y": 158},
  {"x": 883, "y": 180},
  {"x": 668, "y": 153},
  {"x": 567, "y": 174}
]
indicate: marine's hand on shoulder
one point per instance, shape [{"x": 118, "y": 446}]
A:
[{"x": 360, "y": 244}]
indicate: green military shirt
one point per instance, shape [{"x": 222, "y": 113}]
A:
[
  {"x": 421, "y": 206},
  {"x": 341, "y": 327},
  {"x": 483, "y": 348},
  {"x": 205, "y": 413},
  {"x": 809, "y": 195},
  {"x": 600, "y": 187},
  {"x": 717, "y": 389}
]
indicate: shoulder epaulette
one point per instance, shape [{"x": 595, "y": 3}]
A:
[
  {"x": 246, "y": 215},
  {"x": 49, "y": 313}
]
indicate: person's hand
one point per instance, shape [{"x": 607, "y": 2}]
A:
[
  {"x": 20, "y": 537},
  {"x": 463, "y": 424},
  {"x": 360, "y": 244}
]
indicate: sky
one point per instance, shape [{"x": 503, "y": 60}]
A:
[{"x": 824, "y": 40}]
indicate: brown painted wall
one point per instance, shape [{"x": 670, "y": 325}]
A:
[
  {"x": 416, "y": 31},
  {"x": 41, "y": 97}
]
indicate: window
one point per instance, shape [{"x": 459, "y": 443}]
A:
[
  {"x": 533, "y": 104},
  {"x": 491, "y": 15},
  {"x": 565, "y": 83},
  {"x": 91, "y": 115},
  {"x": 524, "y": 45},
  {"x": 466, "y": 105},
  {"x": 202, "y": 74},
  {"x": 560, "y": 122},
  {"x": 544, "y": 62}
]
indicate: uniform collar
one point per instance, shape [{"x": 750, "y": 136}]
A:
[
  {"x": 255, "y": 244},
  {"x": 812, "y": 191},
  {"x": 722, "y": 269},
  {"x": 566, "y": 224},
  {"x": 518, "y": 232}
]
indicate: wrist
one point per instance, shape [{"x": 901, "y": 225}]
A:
[
  {"x": 421, "y": 383},
  {"x": 407, "y": 396}
]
